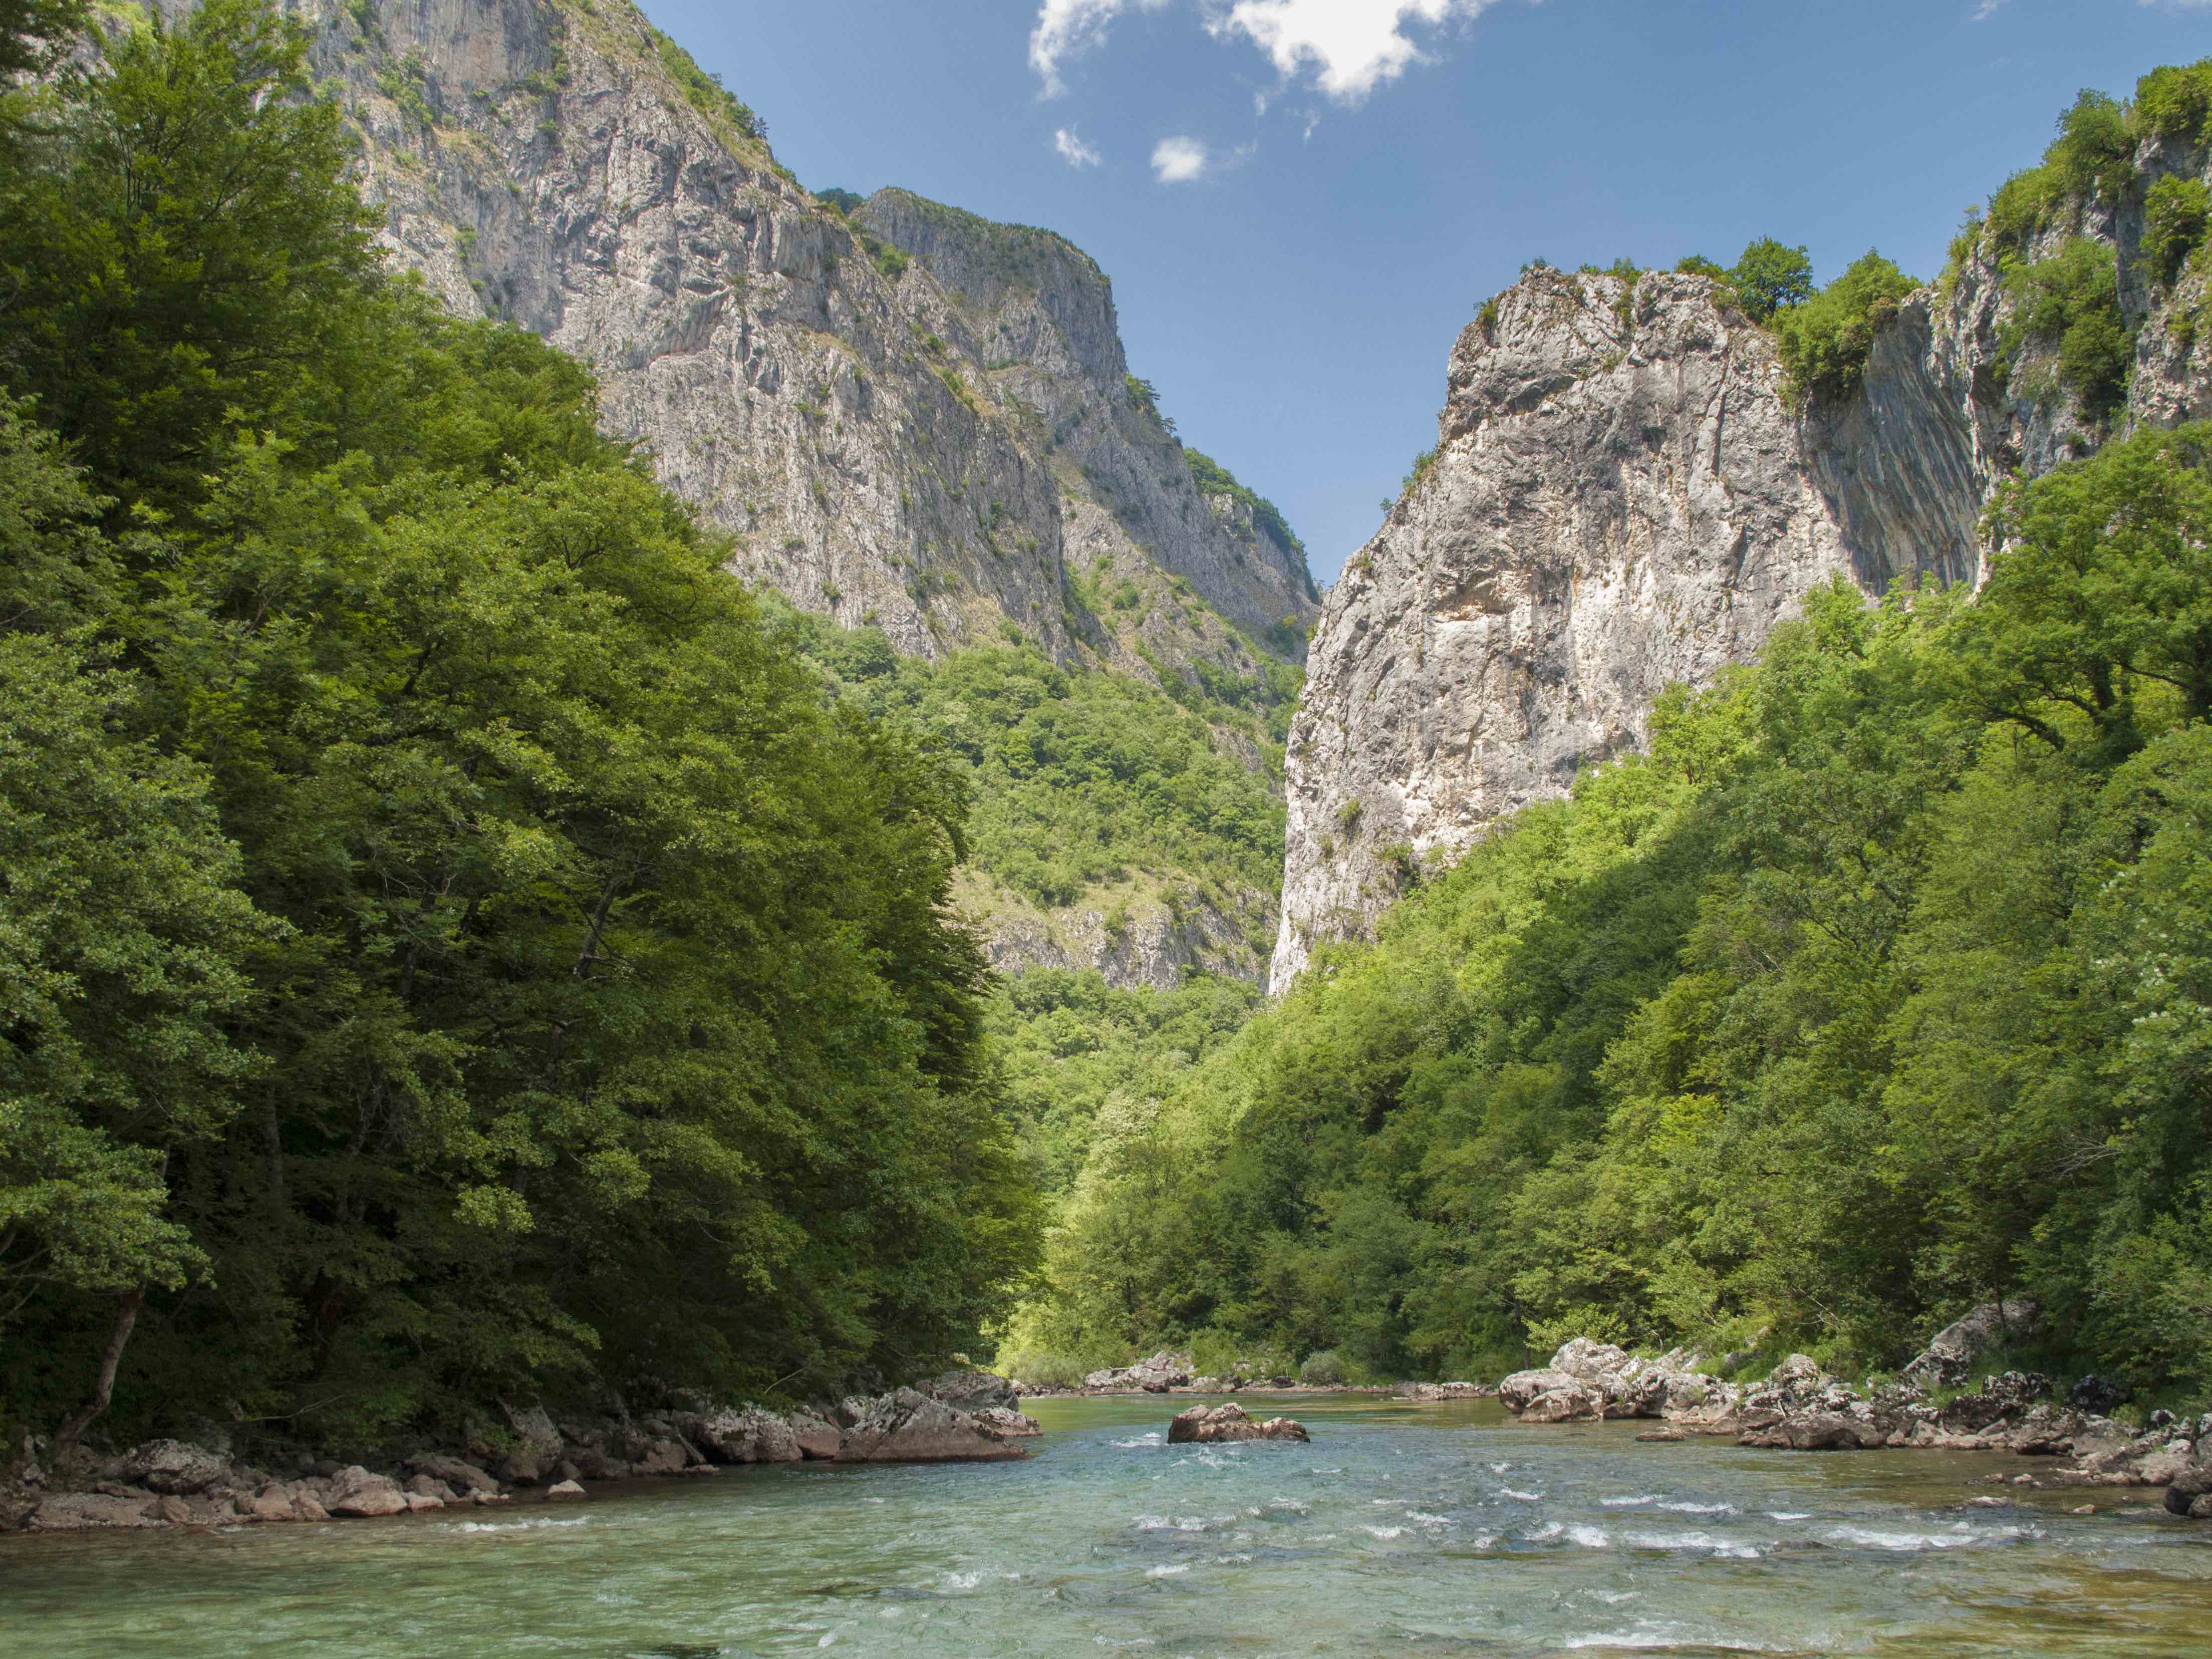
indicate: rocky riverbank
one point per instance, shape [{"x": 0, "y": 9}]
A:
[
  {"x": 1797, "y": 1407},
  {"x": 961, "y": 1416}
]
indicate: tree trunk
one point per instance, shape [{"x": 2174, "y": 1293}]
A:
[{"x": 126, "y": 1315}]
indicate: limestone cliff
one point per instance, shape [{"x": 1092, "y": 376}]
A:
[
  {"x": 1620, "y": 498},
  {"x": 902, "y": 415},
  {"x": 882, "y": 436}
]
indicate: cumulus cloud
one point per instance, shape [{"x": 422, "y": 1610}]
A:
[
  {"x": 1178, "y": 160},
  {"x": 1073, "y": 150},
  {"x": 1353, "y": 46}
]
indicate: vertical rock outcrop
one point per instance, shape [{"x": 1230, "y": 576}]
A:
[
  {"x": 912, "y": 418},
  {"x": 1621, "y": 499}
]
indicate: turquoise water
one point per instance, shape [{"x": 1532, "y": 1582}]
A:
[{"x": 1413, "y": 1530}]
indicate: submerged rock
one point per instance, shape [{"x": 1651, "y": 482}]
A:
[{"x": 1204, "y": 1424}]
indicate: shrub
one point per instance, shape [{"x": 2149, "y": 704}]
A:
[
  {"x": 1825, "y": 340},
  {"x": 1322, "y": 1370},
  {"x": 1771, "y": 277},
  {"x": 2174, "y": 215},
  {"x": 2070, "y": 302}
]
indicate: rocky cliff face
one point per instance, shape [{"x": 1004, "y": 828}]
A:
[
  {"x": 902, "y": 415},
  {"x": 1620, "y": 500},
  {"x": 882, "y": 436}
]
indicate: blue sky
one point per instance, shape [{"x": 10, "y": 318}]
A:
[{"x": 1302, "y": 202}]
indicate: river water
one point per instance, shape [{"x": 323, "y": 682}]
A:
[{"x": 1441, "y": 1529}]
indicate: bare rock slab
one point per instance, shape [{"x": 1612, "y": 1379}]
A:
[{"x": 1205, "y": 1425}]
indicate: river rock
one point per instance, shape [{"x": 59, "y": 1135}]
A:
[
  {"x": 819, "y": 1439},
  {"x": 454, "y": 1472},
  {"x": 2099, "y": 1394},
  {"x": 908, "y": 1426},
  {"x": 565, "y": 1489},
  {"x": 1448, "y": 1391},
  {"x": 748, "y": 1436},
  {"x": 1817, "y": 1432},
  {"x": 418, "y": 1502},
  {"x": 1518, "y": 1390},
  {"x": 2189, "y": 1488},
  {"x": 1952, "y": 1351},
  {"x": 355, "y": 1491},
  {"x": 171, "y": 1465},
  {"x": 1576, "y": 1403},
  {"x": 83, "y": 1511},
  {"x": 1204, "y": 1424},
  {"x": 971, "y": 1389},
  {"x": 422, "y": 1486},
  {"x": 522, "y": 1468},
  {"x": 535, "y": 1431}
]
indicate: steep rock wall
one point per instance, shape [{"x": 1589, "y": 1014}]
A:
[
  {"x": 1621, "y": 500},
  {"x": 908, "y": 417}
]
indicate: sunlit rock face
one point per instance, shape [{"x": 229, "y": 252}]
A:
[
  {"x": 1620, "y": 500},
  {"x": 910, "y": 417}
]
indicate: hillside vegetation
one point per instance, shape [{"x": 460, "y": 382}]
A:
[
  {"x": 1879, "y": 987},
  {"x": 448, "y": 944}
]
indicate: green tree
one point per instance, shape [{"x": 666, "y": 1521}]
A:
[
  {"x": 194, "y": 247},
  {"x": 1770, "y": 278}
]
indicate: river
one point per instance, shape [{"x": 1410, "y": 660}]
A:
[{"x": 1441, "y": 1529}]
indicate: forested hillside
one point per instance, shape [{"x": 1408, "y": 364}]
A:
[
  {"x": 1879, "y": 987},
  {"x": 448, "y": 942},
  {"x": 1876, "y": 987}
]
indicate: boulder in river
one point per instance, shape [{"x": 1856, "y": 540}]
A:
[
  {"x": 354, "y": 1490},
  {"x": 749, "y": 1436},
  {"x": 971, "y": 1389},
  {"x": 1578, "y": 1402},
  {"x": 908, "y": 1426},
  {"x": 2191, "y": 1492},
  {"x": 1204, "y": 1424},
  {"x": 460, "y": 1476},
  {"x": 1518, "y": 1390}
]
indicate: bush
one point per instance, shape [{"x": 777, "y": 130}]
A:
[
  {"x": 1825, "y": 340},
  {"x": 1323, "y": 1369},
  {"x": 2071, "y": 304},
  {"x": 2174, "y": 216}
]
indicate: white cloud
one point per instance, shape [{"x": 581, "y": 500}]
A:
[
  {"x": 1352, "y": 46},
  {"x": 1068, "y": 28},
  {"x": 1988, "y": 10},
  {"x": 1178, "y": 160},
  {"x": 1073, "y": 150}
]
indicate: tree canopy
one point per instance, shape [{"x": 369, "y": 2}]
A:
[{"x": 448, "y": 943}]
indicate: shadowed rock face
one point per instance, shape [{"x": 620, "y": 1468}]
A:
[{"x": 1620, "y": 500}]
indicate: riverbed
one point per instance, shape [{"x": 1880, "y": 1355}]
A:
[{"x": 1436, "y": 1530}]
